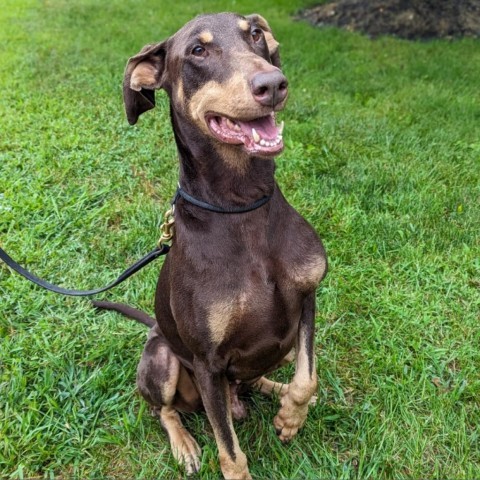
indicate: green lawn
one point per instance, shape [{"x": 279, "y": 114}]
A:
[{"x": 382, "y": 157}]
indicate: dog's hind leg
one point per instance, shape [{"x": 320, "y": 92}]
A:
[
  {"x": 167, "y": 386},
  {"x": 269, "y": 387}
]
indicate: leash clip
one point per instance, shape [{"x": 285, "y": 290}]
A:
[{"x": 167, "y": 227}]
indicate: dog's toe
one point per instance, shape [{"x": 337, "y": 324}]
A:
[
  {"x": 285, "y": 430},
  {"x": 191, "y": 464},
  {"x": 290, "y": 418},
  {"x": 188, "y": 454}
]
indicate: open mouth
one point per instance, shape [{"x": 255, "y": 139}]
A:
[{"x": 259, "y": 136}]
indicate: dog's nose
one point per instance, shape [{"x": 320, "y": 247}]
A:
[{"x": 269, "y": 88}]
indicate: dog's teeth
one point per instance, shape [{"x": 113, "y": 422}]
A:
[
  {"x": 280, "y": 128},
  {"x": 263, "y": 142},
  {"x": 256, "y": 136},
  {"x": 230, "y": 124},
  {"x": 237, "y": 127}
]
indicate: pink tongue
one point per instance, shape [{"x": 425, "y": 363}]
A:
[{"x": 264, "y": 126}]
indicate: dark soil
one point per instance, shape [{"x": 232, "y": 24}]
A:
[{"x": 410, "y": 19}]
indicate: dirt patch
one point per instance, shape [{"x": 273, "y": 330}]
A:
[{"x": 410, "y": 19}]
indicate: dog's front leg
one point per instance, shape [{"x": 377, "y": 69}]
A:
[
  {"x": 294, "y": 404},
  {"x": 215, "y": 392}
]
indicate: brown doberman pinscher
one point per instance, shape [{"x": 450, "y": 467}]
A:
[{"x": 236, "y": 295}]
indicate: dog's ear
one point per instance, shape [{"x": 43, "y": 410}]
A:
[
  {"x": 272, "y": 44},
  {"x": 143, "y": 75}
]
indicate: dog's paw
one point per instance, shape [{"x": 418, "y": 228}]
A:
[
  {"x": 290, "y": 418},
  {"x": 185, "y": 449},
  {"x": 187, "y": 453},
  {"x": 235, "y": 469}
]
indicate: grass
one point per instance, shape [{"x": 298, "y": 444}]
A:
[{"x": 383, "y": 158}]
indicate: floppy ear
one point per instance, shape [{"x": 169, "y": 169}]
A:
[
  {"x": 272, "y": 44},
  {"x": 143, "y": 75}
]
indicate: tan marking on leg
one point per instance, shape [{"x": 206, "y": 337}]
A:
[
  {"x": 231, "y": 469},
  {"x": 270, "y": 388},
  {"x": 233, "y": 461},
  {"x": 187, "y": 398},
  {"x": 243, "y": 24},
  {"x": 237, "y": 469},
  {"x": 310, "y": 273},
  {"x": 294, "y": 404},
  {"x": 206, "y": 36},
  {"x": 158, "y": 371},
  {"x": 184, "y": 448}
]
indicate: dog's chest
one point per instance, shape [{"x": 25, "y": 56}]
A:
[
  {"x": 267, "y": 300},
  {"x": 251, "y": 329}
]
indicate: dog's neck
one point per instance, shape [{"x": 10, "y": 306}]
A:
[{"x": 222, "y": 175}]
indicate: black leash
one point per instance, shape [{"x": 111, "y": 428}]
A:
[
  {"x": 149, "y": 257},
  {"x": 162, "y": 248}
]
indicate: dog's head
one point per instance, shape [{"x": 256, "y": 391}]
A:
[{"x": 222, "y": 73}]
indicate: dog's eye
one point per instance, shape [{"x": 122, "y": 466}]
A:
[
  {"x": 256, "y": 35},
  {"x": 199, "y": 51}
]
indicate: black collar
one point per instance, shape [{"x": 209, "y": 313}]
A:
[{"x": 213, "y": 208}]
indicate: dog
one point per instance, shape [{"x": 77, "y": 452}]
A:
[{"x": 235, "y": 298}]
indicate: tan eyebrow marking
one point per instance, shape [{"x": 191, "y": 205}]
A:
[
  {"x": 243, "y": 24},
  {"x": 206, "y": 36}
]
